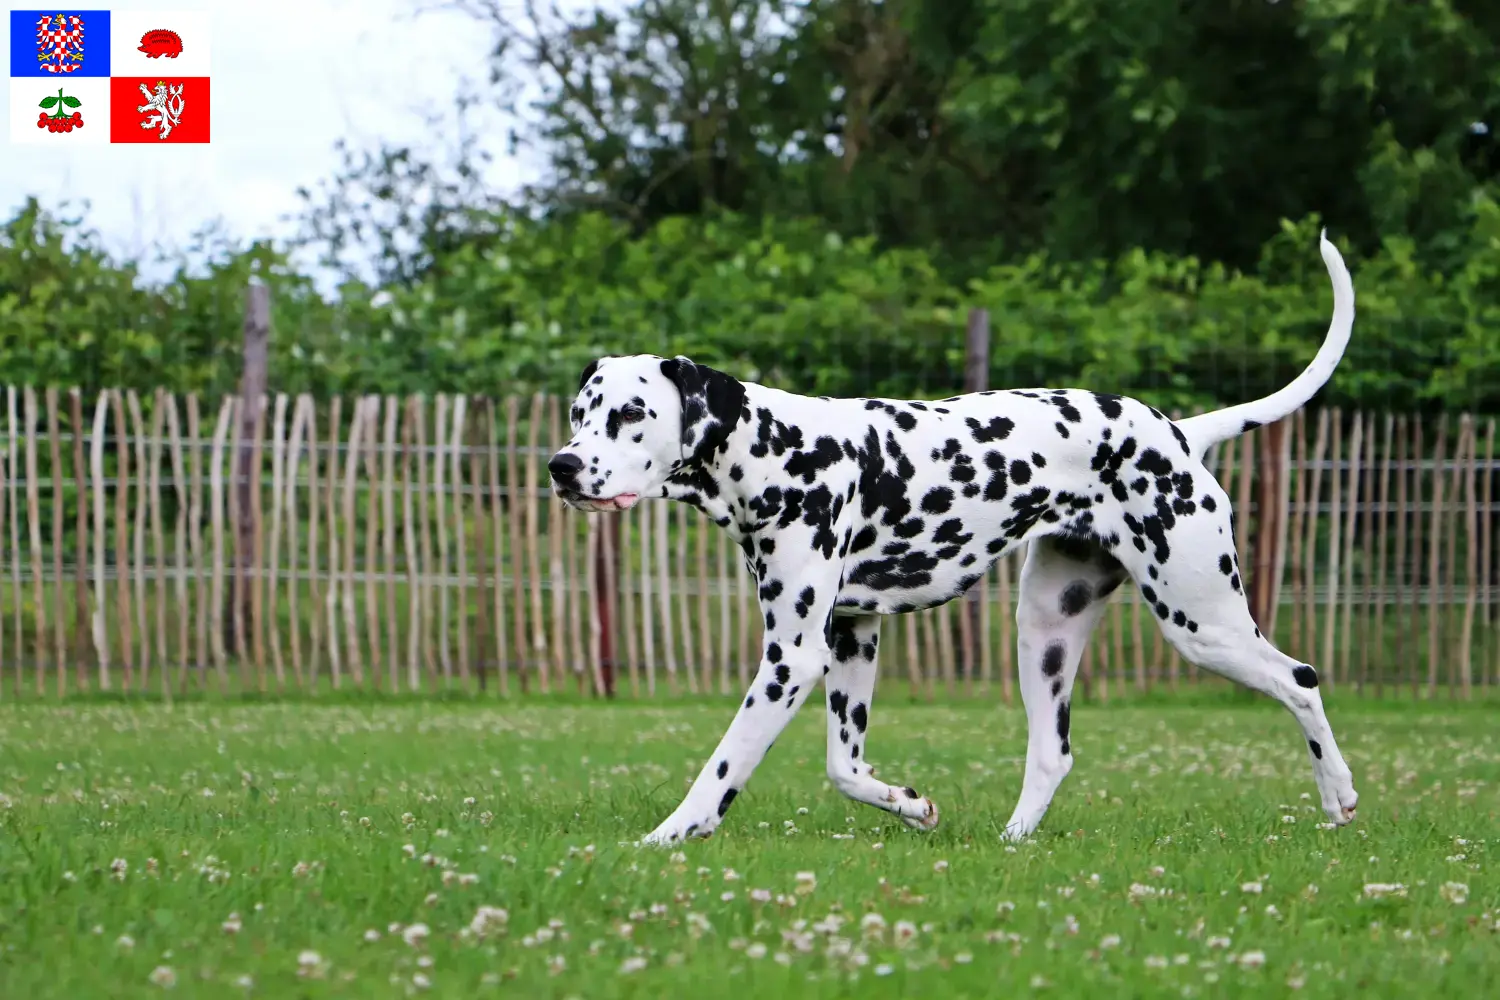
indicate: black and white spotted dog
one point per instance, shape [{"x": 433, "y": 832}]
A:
[{"x": 849, "y": 509}]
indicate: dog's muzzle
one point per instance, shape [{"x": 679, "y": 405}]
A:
[{"x": 564, "y": 469}]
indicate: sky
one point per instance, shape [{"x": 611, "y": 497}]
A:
[{"x": 289, "y": 78}]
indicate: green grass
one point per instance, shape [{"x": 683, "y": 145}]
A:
[{"x": 1141, "y": 881}]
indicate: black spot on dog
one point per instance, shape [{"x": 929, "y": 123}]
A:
[
  {"x": 1305, "y": 676},
  {"x": 727, "y": 801},
  {"x": 723, "y": 768},
  {"x": 937, "y": 501},
  {"x": 1075, "y": 598},
  {"x": 998, "y": 429},
  {"x": 860, "y": 716},
  {"x": 1052, "y": 659},
  {"x": 1317, "y": 751},
  {"x": 806, "y": 465},
  {"x": 911, "y": 793},
  {"x": 1064, "y": 714}
]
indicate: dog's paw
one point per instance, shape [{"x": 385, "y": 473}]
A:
[
  {"x": 1342, "y": 808},
  {"x": 924, "y": 818},
  {"x": 674, "y": 831},
  {"x": 1340, "y": 800},
  {"x": 1020, "y": 827}
]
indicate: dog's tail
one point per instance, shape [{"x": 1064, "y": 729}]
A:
[{"x": 1208, "y": 429}]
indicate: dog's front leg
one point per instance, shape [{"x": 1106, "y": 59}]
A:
[{"x": 794, "y": 658}]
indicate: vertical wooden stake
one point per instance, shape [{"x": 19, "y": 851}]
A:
[
  {"x": 460, "y": 530},
  {"x": 12, "y": 463},
  {"x": 272, "y": 583},
  {"x": 415, "y": 563},
  {"x": 59, "y": 611},
  {"x": 372, "y": 545},
  {"x": 388, "y": 539},
  {"x": 122, "y": 539},
  {"x": 331, "y": 594},
  {"x": 350, "y": 537},
  {"x": 101, "y": 588},
  {"x": 255, "y": 354},
  {"x": 179, "y": 544},
  {"x": 314, "y": 576},
  {"x": 513, "y": 496},
  {"x": 1382, "y": 548},
  {"x": 497, "y": 540},
  {"x": 84, "y": 646},
  {"x": 1434, "y": 566},
  {"x": 195, "y": 537},
  {"x": 34, "y": 521},
  {"x": 533, "y": 547},
  {"x": 292, "y": 473}
]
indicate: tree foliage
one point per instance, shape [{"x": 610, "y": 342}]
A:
[{"x": 996, "y": 128}]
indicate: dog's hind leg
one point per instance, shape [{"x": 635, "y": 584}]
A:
[
  {"x": 1065, "y": 585},
  {"x": 850, "y": 684},
  {"x": 1194, "y": 586}
]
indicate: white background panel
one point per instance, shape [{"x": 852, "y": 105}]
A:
[
  {"x": 27, "y": 92},
  {"x": 127, "y": 27}
]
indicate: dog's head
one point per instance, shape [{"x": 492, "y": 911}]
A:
[{"x": 636, "y": 421}]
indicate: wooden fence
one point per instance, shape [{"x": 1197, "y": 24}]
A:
[{"x": 409, "y": 544}]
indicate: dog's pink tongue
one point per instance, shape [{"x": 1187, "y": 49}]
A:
[{"x": 625, "y": 501}]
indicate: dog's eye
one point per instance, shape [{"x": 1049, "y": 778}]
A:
[{"x": 632, "y": 414}]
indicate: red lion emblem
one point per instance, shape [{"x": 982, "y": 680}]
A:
[{"x": 160, "y": 42}]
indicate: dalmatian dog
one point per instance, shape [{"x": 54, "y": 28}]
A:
[{"x": 851, "y": 509}]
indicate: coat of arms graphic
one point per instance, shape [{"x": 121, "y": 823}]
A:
[{"x": 59, "y": 42}]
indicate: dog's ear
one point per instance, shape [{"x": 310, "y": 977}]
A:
[
  {"x": 588, "y": 373},
  {"x": 712, "y": 404}
]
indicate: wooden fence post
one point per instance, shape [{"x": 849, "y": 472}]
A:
[
  {"x": 256, "y": 352},
  {"x": 1269, "y": 514},
  {"x": 605, "y": 559},
  {"x": 976, "y": 379}
]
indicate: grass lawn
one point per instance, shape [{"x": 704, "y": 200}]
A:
[{"x": 349, "y": 849}]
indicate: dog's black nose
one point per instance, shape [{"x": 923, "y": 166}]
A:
[{"x": 565, "y": 465}]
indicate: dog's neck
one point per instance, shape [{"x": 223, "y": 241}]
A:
[{"x": 708, "y": 485}]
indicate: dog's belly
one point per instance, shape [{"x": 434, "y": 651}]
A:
[
  {"x": 865, "y": 601},
  {"x": 895, "y": 575}
]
